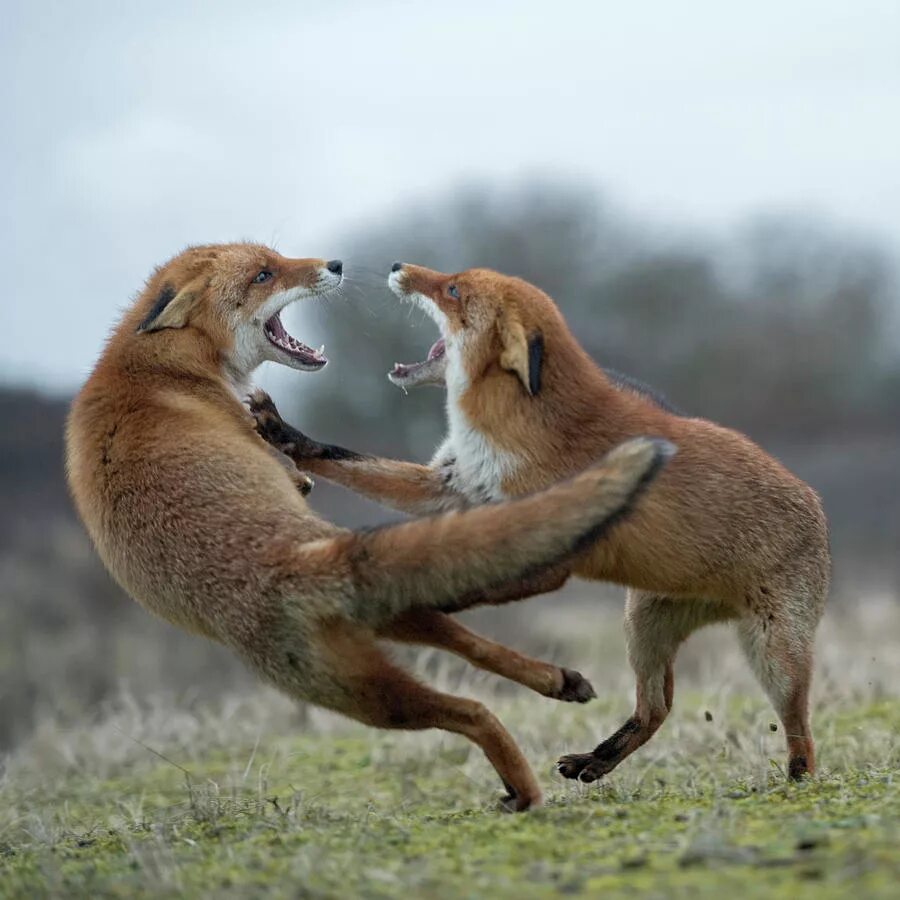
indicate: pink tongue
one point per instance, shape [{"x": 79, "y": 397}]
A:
[{"x": 437, "y": 349}]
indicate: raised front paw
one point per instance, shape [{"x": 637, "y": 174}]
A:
[
  {"x": 275, "y": 431},
  {"x": 269, "y": 423}
]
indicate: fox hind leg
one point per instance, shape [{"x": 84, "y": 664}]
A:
[
  {"x": 779, "y": 650},
  {"x": 436, "y": 629},
  {"x": 655, "y": 627},
  {"x": 374, "y": 690}
]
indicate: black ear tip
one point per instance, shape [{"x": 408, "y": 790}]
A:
[
  {"x": 535, "y": 362},
  {"x": 163, "y": 299}
]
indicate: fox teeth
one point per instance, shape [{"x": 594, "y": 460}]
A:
[{"x": 321, "y": 350}]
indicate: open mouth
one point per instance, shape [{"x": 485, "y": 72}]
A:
[
  {"x": 288, "y": 344},
  {"x": 429, "y": 371}
]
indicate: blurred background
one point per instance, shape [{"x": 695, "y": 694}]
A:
[{"x": 712, "y": 195}]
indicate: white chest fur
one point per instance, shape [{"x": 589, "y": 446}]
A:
[{"x": 478, "y": 468}]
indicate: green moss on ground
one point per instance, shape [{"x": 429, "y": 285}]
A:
[{"x": 384, "y": 815}]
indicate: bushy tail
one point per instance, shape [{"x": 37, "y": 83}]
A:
[{"x": 434, "y": 562}]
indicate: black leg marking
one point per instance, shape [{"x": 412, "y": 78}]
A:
[
  {"x": 589, "y": 767},
  {"x": 611, "y": 749}
]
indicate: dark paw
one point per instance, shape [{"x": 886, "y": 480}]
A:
[
  {"x": 573, "y": 765},
  {"x": 584, "y": 766},
  {"x": 275, "y": 431},
  {"x": 575, "y": 688},
  {"x": 262, "y": 407},
  {"x": 516, "y": 801},
  {"x": 513, "y": 802},
  {"x": 269, "y": 423}
]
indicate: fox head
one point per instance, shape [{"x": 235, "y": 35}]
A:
[
  {"x": 490, "y": 324},
  {"x": 233, "y": 295}
]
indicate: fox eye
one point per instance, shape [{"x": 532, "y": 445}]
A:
[
  {"x": 453, "y": 292},
  {"x": 264, "y": 275}
]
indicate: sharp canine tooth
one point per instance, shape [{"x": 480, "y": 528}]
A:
[{"x": 321, "y": 350}]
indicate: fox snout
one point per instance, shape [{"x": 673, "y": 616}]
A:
[
  {"x": 411, "y": 282},
  {"x": 312, "y": 274},
  {"x": 398, "y": 279},
  {"x": 406, "y": 278}
]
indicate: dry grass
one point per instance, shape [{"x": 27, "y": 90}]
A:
[{"x": 256, "y": 796}]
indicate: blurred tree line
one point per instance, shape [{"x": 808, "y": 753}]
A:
[{"x": 784, "y": 329}]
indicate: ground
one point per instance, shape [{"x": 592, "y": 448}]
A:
[{"x": 172, "y": 798}]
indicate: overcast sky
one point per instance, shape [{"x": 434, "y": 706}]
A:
[{"x": 131, "y": 129}]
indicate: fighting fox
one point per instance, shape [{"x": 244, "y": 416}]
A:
[
  {"x": 727, "y": 534},
  {"x": 204, "y": 524}
]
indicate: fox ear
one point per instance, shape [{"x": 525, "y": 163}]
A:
[
  {"x": 522, "y": 354},
  {"x": 171, "y": 309}
]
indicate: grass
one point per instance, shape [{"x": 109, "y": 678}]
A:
[{"x": 255, "y": 798}]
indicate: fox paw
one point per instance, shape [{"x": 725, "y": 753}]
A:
[
  {"x": 275, "y": 431},
  {"x": 513, "y": 802},
  {"x": 582, "y": 766},
  {"x": 573, "y": 765},
  {"x": 269, "y": 423},
  {"x": 575, "y": 688}
]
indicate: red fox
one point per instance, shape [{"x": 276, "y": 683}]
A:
[
  {"x": 202, "y": 522},
  {"x": 726, "y": 534}
]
